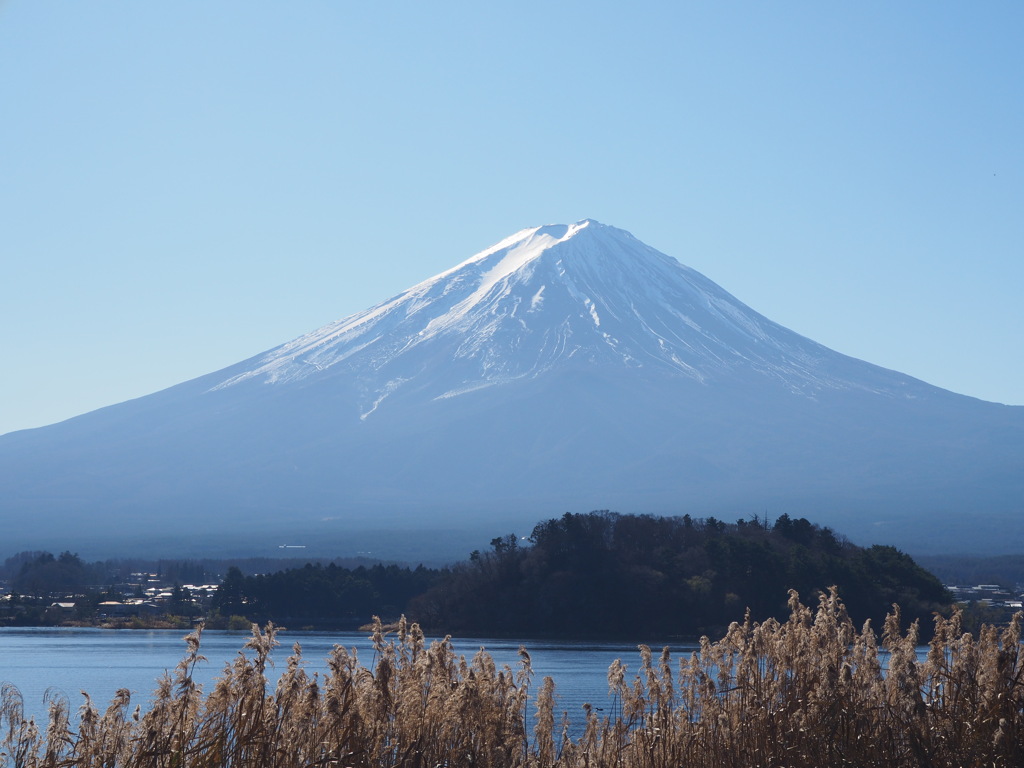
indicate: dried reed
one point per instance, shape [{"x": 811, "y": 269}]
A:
[{"x": 812, "y": 691}]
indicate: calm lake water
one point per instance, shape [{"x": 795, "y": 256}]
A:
[{"x": 98, "y": 661}]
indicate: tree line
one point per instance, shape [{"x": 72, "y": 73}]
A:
[
  {"x": 597, "y": 575},
  {"x": 604, "y": 575},
  {"x": 324, "y": 596}
]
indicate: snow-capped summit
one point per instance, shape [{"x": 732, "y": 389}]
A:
[
  {"x": 567, "y": 367},
  {"x": 585, "y": 293}
]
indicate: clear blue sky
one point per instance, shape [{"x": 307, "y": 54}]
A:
[{"x": 186, "y": 184}]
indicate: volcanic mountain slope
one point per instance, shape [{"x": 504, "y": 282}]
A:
[{"x": 567, "y": 368}]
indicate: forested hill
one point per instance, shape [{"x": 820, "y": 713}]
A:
[{"x": 605, "y": 575}]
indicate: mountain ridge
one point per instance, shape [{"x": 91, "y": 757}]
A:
[{"x": 567, "y": 367}]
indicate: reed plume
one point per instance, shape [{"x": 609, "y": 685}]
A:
[{"x": 810, "y": 691}]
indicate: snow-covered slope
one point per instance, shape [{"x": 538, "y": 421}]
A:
[
  {"x": 549, "y": 296},
  {"x": 568, "y": 367}
]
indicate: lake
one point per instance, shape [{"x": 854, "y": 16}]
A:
[{"x": 99, "y": 661}]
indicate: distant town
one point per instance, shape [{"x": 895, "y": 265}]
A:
[{"x": 141, "y": 599}]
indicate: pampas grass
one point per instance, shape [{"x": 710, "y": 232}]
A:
[{"x": 811, "y": 691}]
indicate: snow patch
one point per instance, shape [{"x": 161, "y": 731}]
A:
[{"x": 390, "y": 387}]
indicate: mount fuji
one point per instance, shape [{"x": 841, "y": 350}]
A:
[{"x": 566, "y": 368}]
